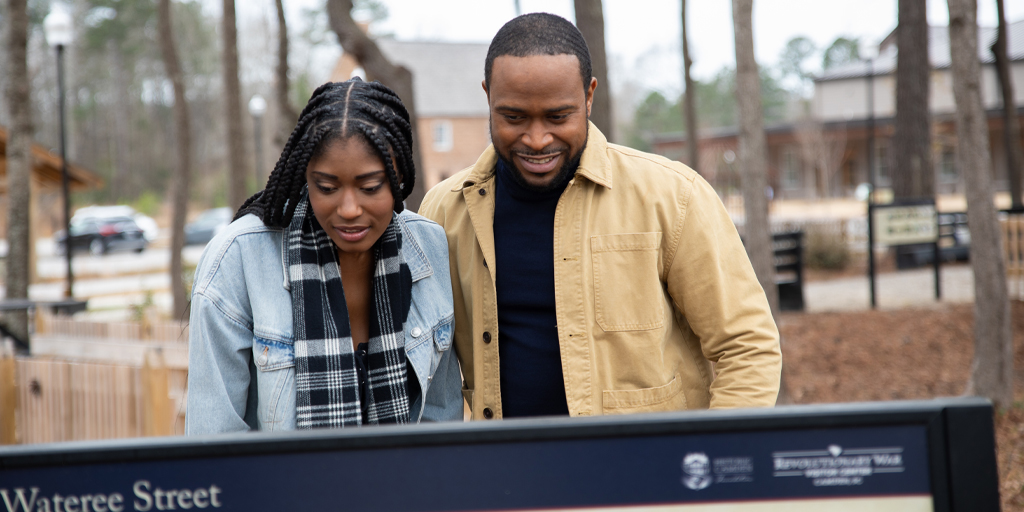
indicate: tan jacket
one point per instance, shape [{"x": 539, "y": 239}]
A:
[{"x": 651, "y": 284}]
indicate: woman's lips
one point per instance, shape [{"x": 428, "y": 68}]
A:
[
  {"x": 352, "y": 234},
  {"x": 539, "y": 164}
]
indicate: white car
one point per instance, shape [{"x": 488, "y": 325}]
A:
[{"x": 149, "y": 228}]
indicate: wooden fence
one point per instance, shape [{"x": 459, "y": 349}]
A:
[
  {"x": 1013, "y": 246},
  {"x": 92, "y": 380},
  {"x": 47, "y": 400}
]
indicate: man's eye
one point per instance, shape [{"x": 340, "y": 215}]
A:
[{"x": 512, "y": 117}]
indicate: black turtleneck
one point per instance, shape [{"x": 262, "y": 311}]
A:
[{"x": 531, "y": 367}]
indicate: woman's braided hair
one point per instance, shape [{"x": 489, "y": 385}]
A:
[{"x": 336, "y": 111}]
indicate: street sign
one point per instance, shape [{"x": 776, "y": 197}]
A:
[
  {"x": 904, "y": 225},
  {"x": 894, "y": 456}
]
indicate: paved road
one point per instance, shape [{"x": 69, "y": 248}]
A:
[
  {"x": 116, "y": 282},
  {"x": 907, "y": 288}
]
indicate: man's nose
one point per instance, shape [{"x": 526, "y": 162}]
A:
[{"x": 537, "y": 136}]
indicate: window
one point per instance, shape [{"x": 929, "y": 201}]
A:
[
  {"x": 791, "y": 169},
  {"x": 882, "y": 161},
  {"x": 442, "y": 131},
  {"x": 947, "y": 164}
]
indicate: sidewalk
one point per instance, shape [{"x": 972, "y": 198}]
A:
[{"x": 893, "y": 290}]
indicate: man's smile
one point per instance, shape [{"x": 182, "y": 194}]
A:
[{"x": 539, "y": 164}]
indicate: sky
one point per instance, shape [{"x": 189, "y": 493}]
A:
[{"x": 643, "y": 36}]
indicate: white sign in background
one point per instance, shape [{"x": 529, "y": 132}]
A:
[{"x": 900, "y": 225}]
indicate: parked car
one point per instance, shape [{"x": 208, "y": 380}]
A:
[
  {"x": 146, "y": 223},
  {"x": 207, "y": 225},
  {"x": 100, "y": 235}
]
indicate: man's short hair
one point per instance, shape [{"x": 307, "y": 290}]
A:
[{"x": 539, "y": 33}]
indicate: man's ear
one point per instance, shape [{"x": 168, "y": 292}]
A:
[
  {"x": 483, "y": 83},
  {"x": 590, "y": 95}
]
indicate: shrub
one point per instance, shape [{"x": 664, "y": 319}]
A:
[{"x": 825, "y": 250}]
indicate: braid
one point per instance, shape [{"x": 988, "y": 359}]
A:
[{"x": 338, "y": 110}]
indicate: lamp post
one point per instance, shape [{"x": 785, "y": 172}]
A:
[
  {"x": 58, "y": 30},
  {"x": 258, "y": 107},
  {"x": 870, "y": 93}
]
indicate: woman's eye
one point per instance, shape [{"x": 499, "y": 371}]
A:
[
  {"x": 374, "y": 187},
  {"x": 324, "y": 188}
]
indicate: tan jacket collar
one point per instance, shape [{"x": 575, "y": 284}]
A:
[{"x": 594, "y": 164}]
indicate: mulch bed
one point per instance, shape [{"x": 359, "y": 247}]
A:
[{"x": 900, "y": 355}]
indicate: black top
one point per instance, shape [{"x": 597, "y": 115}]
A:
[
  {"x": 361, "y": 354},
  {"x": 530, "y": 362}
]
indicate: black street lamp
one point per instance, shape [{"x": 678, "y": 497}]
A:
[
  {"x": 58, "y": 29},
  {"x": 258, "y": 107}
]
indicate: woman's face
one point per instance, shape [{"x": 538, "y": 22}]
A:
[{"x": 350, "y": 194}]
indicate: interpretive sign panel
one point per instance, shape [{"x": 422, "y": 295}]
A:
[
  {"x": 905, "y": 224},
  {"x": 880, "y": 457}
]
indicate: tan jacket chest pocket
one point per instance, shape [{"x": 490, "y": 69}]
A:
[{"x": 628, "y": 293}]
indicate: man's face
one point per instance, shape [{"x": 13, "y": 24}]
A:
[{"x": 539, "y": 113}]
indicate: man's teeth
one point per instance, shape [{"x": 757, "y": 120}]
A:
[{"x": 539, "y": 161}]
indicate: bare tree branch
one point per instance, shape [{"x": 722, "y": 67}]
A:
[{"x": 355, "y": 42}]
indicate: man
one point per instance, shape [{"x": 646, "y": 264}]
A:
[{"x": 590, "y": 278}]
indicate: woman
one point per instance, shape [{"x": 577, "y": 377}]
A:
[{"x": 325, "y": 303}]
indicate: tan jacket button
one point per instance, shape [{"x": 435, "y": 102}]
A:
[
  {"x": 487, "y": 337},
  {"x": 488, "y": 413}
]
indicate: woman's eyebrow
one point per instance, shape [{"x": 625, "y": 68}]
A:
[{"x": 371, "y": 174}]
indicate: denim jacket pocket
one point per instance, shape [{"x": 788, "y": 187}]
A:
[
  {"x": 628, "y": 292},
  {"x": 275, "y": 362},
  {"x": 443, "y": 335},
  {"x": 272, "y": 355}
]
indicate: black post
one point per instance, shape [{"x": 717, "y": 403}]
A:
[
  {"x": 938, "y": 255},
  {"x": 69, "y": 292},
  {"x": 871, "y": 179},
  {"x": 257, "y": 128}
]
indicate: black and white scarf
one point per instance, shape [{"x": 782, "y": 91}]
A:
[{"x": 326, "y": 382}]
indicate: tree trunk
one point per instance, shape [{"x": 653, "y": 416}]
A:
[
  {"x": 753, "y": 160},
  {"x": 753, "y": 152},
  {"x": 354, "y": 41},
  {"x": 182, "y": 168},
  {"x": 120, "y": 185},
  {"x": 19, "y": 163},
  {"x": 1011, "y": 123},
  {"x": 590, "y": 21},
  {"x": 992, "y": 369},
  {"x": 913, "y": 175},
  {"x": 689, "y": 101},
  {"x": 237, "y": 165},
  {"x": 286, "y": 115}
]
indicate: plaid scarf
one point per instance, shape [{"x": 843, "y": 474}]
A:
[{"x": 326, "y": 382}]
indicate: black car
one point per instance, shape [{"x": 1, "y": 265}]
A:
[
  {"x": 207, "y": 225},
  {"x": 100, "y": 235}
]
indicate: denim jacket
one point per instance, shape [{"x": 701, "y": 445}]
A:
[{"x": 241, "y": 343}]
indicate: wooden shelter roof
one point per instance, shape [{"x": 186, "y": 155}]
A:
[{"x": 47, "y": 168}]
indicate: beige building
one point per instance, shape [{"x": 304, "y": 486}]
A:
[
  {"x": 450, "y": 103},
  {"x": 826, "y": 155}
]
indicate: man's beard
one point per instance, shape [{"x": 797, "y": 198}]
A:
[{"x": 568, "y": 169}]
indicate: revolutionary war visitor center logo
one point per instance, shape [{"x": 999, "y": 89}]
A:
[
  {"x": 700, "y": 471},
  {"x": 835, "y": 466}
]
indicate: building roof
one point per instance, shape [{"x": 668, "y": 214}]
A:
[
  {"x": 46, "y": 166},
  {"x": 446, "y": 76},
  {"x": 938, "y": 52}
]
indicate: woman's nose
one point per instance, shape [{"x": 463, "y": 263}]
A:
[{"x": 349, "y": 207}]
